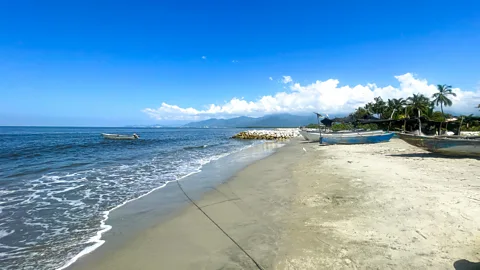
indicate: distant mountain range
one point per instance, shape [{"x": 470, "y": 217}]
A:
[{"x": 268, "y": 121}]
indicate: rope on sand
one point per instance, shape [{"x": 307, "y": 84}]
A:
[{"x": 220, "y": 228}]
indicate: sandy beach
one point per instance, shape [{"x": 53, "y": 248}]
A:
[{"x": 377, "y": 206}]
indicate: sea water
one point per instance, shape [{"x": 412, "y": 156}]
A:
[{"x": 58, "y": 185}]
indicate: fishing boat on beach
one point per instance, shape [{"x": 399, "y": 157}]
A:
[
  {"x": 120, "y": 136},
  {"x": 315, "y": 136},
  {"x": 346, "y": 136},
  {"x": 355, "y": 139},
  {"x": 448, "y": 145}
]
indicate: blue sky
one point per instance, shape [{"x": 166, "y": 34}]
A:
[{"x": 114, "y": 63}]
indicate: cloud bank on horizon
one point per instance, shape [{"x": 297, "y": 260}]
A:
[{"x": 322, "y": 96}]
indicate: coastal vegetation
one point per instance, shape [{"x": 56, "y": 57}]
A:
[
  {"x": 429, "y": 108},
  {"x": 419, "y": 105}
]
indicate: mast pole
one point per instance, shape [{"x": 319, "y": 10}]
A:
[{"x": 319, "y": 129}]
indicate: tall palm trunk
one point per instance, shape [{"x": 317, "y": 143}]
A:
[
  {"x": 441, "y": 124},
  {"x": 419, "y": 123}
]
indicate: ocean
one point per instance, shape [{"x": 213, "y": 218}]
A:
[{"x": 58, "y": 185}]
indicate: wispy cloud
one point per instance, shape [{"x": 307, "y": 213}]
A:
[
  {"x": 287, "y": 79},
  {"x": 270, "y": 78},
  {"x": 234, "y": 61},
  {"x": 323, "y": 96},
  {"x": 204, "y": 57}
]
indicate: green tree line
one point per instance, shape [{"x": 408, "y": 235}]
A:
[{"x": 417, "y": 104}]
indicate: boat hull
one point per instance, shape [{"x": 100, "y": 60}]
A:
[
  {"x": 444, "y": 145},
  {"x": 118, "y": 137},
  {"x": 315, "y": 136},
  {"x": 310, "y": 136},
  {"x": 358, "y": 139}
]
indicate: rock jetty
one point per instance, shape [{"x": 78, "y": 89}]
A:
[{"x": 277, "y": 134}]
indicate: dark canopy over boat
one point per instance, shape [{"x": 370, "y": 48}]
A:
[
  {"x": 428, "y": 126},
  {"x": 348, "y": 119}
]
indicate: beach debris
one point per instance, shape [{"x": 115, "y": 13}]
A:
[
  {"x": 417, "y": 231},
  {"x": 272, "y": 134}
]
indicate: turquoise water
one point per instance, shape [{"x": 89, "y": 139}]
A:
[{"x": 58, "y": 185}]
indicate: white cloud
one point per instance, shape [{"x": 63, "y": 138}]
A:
[
  {"x": 204, "y": 57},
  {"x": 322, "y": 96},
  {"x": 270, "y": 78},
  {"x": 287, "y": 79},
  {"x": 234, "y": 61}
]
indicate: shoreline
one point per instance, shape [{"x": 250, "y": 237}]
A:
[
  {"x": 259, "y": 150},
  {"x": 377, "y": 206}
]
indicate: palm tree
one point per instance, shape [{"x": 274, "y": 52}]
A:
[
  {"x": 377, "y": 107},
  {"x": 369, "y": 107},
  {"x": 431, "y": 110},
  {"x": 360, "y": 113},
  {"x": 468, "y": 120},
  {"x": 442, "y": 96},
  {"x": 418, "y": 103},
  {"x": 396, "y": 107}
]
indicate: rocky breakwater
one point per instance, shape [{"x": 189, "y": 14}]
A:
[{"x": 277, "y": 134}]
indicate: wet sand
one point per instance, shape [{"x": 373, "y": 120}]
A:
[{"x": 379, "y": 206}]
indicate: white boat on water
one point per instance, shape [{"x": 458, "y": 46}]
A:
[
  {"x": 315, "y": 136},
  {"x": 120, "y": 137}
]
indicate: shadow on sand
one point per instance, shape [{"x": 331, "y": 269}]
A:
[
  {"x": 433, "y": 155},
  {"x": 305, "y": 141},
  {"x": 466, "y": 265}
]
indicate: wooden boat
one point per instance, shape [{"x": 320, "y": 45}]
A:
[
  {"x": 120, "y": 137},
  {"x": 448, "y": 145},
  {"x": 315, "y": 136},
  {"x": 356, "y": 139}
]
